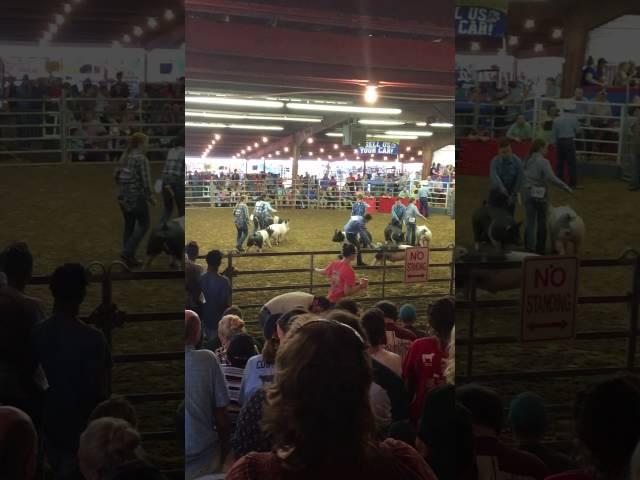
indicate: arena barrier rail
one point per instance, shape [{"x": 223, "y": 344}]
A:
[
  {"x": 288, "y": 194},
  {"x": 312, "y": 286},
  {"x": 107, "y": 317},
  {"x": 53, "y": 130},
  {"x": 602, "y": 135}
]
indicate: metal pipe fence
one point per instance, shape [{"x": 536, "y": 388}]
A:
[{"x": 71, "y": 129}]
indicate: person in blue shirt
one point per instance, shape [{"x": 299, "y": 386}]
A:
[
  {"x": 359, "y": 208},
  {"x": 411, "y": 215},
  {"x": 397, "y": 213},
  {"x": 507, "y": 175},
  {"x": 358, "y": 235},
  {"x": 423, "y": 200}
]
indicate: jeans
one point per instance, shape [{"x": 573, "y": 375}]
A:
[
  {"x": 535, "y": 231},
  {"x": 243, "y": 233},
  {"x": 635, "y": 171},
  {"x": 136, "y": 225},
  {"x": 411, "y": 234},
  {"x": 424, "y": 206},
  {"x": 172, "y": 192},
  {"x": 352, "y": 238},
  {"x": 567, "y": 155}
]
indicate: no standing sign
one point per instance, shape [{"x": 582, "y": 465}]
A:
[
  {"x": 416, "y": 265},
  {"x": 549, "y": 298}
]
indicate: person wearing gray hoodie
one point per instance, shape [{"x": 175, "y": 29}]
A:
[{"x": 538, "y": 174}]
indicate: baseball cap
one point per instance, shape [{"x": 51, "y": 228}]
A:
[{"x": 241, "y": 348}]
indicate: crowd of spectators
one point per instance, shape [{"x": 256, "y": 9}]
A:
[
  {"x": 99, "y": 116},
  {"x": 366, "y": 374},
  {"x": 57, "y": 420}
]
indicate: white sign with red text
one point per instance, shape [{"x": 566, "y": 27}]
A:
[
  {"x": 416, "y": 265},
  {"x": 549, "y": 298}
]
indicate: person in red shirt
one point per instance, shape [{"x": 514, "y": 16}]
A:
[
  {"x": 424, "y": 366},
  {"x": 342, "y": 277},
  {"x": 319, "y": 415}
]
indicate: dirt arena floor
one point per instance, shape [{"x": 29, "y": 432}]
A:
[
  {"x": 611, "y": 217},
  {"x": 312, "y": 230},
  {"x": 69, "y": 214}
]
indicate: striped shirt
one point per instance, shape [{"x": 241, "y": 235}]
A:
[
  {"x": 233, "y": 376},
  {"x": 133, "y": 177},
  {"x": 241, "y": 214},
  {"x": 174, "y": 165}
]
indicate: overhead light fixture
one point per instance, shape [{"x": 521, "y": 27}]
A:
[
  {"x": 234, "y": 126},
  {"x": 421, "y": 124},
  {"x": 419, "y": 152},
  {"x": 441, "y": 125},
  {"x": 152, "y": 23},
  {"x": 538, "y": 47},
  {"x": 137, "y": 31},
  {"x": 249, "y": 148},
  {"x": 392, "y": 137},
  {"x": 249, "y": 116},
  {"x": 556, "y": 34},
  {"x": 233, "y": 102},
  {"x": 342, "y": 154},
  {"x": 278, "y": 152},
  {"x": 310, "y": 140},
  {"x": 475, "y": 46},
  {"x": 371, "y": 94},
  {"x": 67, "y": 8},
  {"x": 317, "y": 107},
  {"x": 334, "y": 134},
  {"x": 370, "y": 121},
  {"x": 311, "y": 154},
  {"x": 59, "y": 19},
  {"x": 286, "y": 149},
  {"x": 265, "y": 140},
  {"x": 169, "y": 15},
  {"x": 126, "y": 38},
  {"x": 513, "y": 40},
  {"x": 322, "y": 150},
  {"x": 407, "y": 133},
  {"x": 336, "y": 146},
  {"x": 217, "y": 136},
  {"x": 529, "y": 23},
  {"x": 256, "y": 144}
]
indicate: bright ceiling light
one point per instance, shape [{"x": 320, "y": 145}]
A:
[
  {"x": 369, "y": 121},
  {"x": 322, "y": 150},
  {"x": 137, "y": 31},
  {"x": 409, "y": 133},
  {"x": 392, "y": 137},
  {"x": 152, "y": 22},
  {"x": 59, "y": 19},
  {"x": 371, "y": 94},
  {"x": 251, "y": 116},
  {"x": 67, "y": 8},
  {"x": 529, "y": 23},
  {"x": 265, "y": 140},
  {"x": 421, "y": 124},
  {"x": 342, "y": 154},
  {"x": 233, "y": 102},
  {"x": 277, "y": 152},
  {"x": 256, "y": 144},
  {"x": 513, "y": 40},
  {"x": 317, "y": 107},
  {"x": 286, "y": 149},
  {"x": 169, "y": 15},
  {"x": 234, "y": 126},
  {"x": 441, "y": 125},
  {"x": 336, "y": 146},
  {"x": 310, "y": 140},
  {"x": 311, "y": 154},
  {"x": 538, "y": 47},
  {"x": 334, "y": 134},
  {"x": 217, "y": 136},
  {"x": 557, "y": 33},
  {"x": 126, "y": 38},
  {"x": 249, "y": 148},
  {"x": 419, "y": 152}
]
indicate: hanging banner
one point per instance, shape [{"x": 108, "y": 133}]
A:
[
  {"x": 379, "y": 148},
  {"x": 481, "y": 18}
]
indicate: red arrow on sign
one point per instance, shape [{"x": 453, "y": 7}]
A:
[{"x": 534, "y": 326}]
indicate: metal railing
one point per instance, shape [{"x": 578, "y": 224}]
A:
[
  {"x": 71, "y": 129},
  {"x": 287, "y": 194},
  {"x": 472, "y": 305}
]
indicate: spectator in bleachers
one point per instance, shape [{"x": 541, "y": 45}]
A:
[
  {"x": 398, "y": 337},
  {"x": 326, "y": 360},
  {"x": 607, "y": 416},
  {"x": 216, "y": 291},
  {"x": 408, "y": 317},
  {"x": 494, "y": 459},
  {"x": 552, "y": 90},
  {"x": 76, "y": 360},
  {"x": 133, "y": 177},
  {"x": 564, "y": 132},
  {"x": 349, "y": 305},
  {"x": 374, "y": 325},
  {"x": 506, "y": 174},
  {"x": 590, "y": 74},
  {"x": 480, "y": 134},
  {"x": 229, "y": 326},
  {"x": 425, "y": 363},
  {"x": 286, "y": 302},
  {"x": 192, "y": 274},
  {"x": 207, "y": 425},
  {"x": 118, "y": 407},
  {"x": 520, "y": 131},
  {"x": 634, "y": 185},
  {"x": 119, "y": 89},
  {"x": 108, "y": 449},
  {"x": 18, "y": 445},
  {"x": 239, "y": 350},
  {"x": 601, "y": 115},
  {"x": 622, "y": 77},
  {"x": 528, "y": 422}
]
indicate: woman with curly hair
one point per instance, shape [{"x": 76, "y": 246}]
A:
[{"x": 319, "y": 415}]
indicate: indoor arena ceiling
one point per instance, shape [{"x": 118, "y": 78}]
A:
[
  {"x": 94, "y": 22},
  {"x": 322, "y": 55}
]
